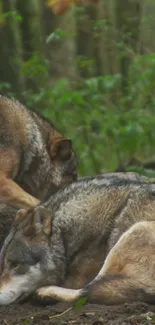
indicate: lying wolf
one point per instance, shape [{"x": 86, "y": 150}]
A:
[
  {"x": 92, "y": 239},
  {"x": 8, "y": 212}
]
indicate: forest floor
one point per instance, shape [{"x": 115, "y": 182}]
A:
[{"x": 62, "y": 314}]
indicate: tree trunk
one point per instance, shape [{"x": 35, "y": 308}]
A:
[
  {"x": 87, "y": 50},
  {"x": 31, "y": 27},
  {"x": 33, "y": 41},
  {"x": 60, "y": 47},
  {"x": 128, "y": 16},
  {"x": 11, "y": 49}
]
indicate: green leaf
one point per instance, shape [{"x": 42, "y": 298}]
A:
[{"x": 81, "y": 302}]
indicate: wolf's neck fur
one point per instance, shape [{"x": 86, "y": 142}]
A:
[
  {"x": 46, "y": 128},
  {"x": 86, "y": 212}
]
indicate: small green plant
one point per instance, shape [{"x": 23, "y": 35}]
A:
[{"x": 81, "y": 302}]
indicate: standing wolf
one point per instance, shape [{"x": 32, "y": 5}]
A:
[
  {"x": 35, "y": 159},
  {"x": 96, "y": 237}
]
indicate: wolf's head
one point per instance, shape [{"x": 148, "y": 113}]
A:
[
  {"x": 56, "y": 168},
  {"x": 26, "y": 262}
]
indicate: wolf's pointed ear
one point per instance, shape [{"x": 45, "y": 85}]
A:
[
  {"x": 37, "y": 220},
  {"x": 60, "y": 148},
  {"x": 41, "y": 220}
]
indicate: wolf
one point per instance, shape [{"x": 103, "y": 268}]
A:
[
  {"x": 8, "y": 212},
  {"x": 93, "y": 239},
  {"x": 35, "y": 158}
]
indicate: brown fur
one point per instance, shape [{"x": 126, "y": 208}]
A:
[
  {"x": 35, "y": 159},
  {"x": 96, "y": 237}
]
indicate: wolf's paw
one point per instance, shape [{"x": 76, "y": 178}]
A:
[
  {"x": 44, "y": 292},
  {"x": 45, "y": 295}
]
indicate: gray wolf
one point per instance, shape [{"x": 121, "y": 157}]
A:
[
  {"x": 8, "y": 212},
  {"x": 35, "y": 159},
  {"x": 94, "y": 238}
]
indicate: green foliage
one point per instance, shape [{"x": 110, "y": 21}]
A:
[
  {"x": 108, "y": 129},
  {"x": 10, "y": 14},
  {"x": 81, "y": 302},
  {"x": 35, "y": 69}
]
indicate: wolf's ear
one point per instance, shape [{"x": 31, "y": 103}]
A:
[
  {"x": 41, "y": 220},
  {"x": 37, "y": 220},
  {"x": 33, "y": 221},
  {"x": 60, "y": 148}
]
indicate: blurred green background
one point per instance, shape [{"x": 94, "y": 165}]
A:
[{"x": 91, "y": 72}]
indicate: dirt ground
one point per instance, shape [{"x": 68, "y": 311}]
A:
[{"x": 62, "y": 314}]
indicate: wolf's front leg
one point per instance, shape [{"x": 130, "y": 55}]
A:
[
  {"x": 11, "y": 193},
  {"x": 51, "y": 293}
]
